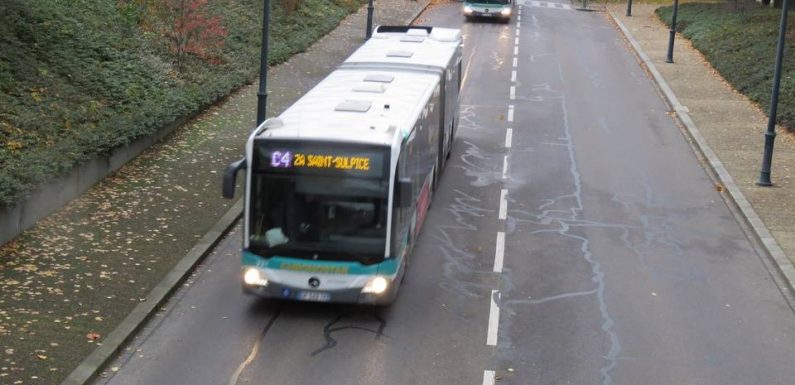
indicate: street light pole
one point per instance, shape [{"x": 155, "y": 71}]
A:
[
  {"x": 629, "y": 8},
  {"x": 770, "y": 135},
  {"x": 262, "y": 93},
  {"x": 672, "y": 34},
  {"x": 369, "y": 32}
]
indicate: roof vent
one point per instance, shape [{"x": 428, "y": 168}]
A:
[
  {"x": 376, "y": 88},
  {"x": 412, "y": 39},
  {"x": 417, "y": 32},
  {"x": 405, "y": 54},
  {"x": 379, "y": 78},
  {"x": 354, "y": 106},
  {"x": 446, "y": 35}
]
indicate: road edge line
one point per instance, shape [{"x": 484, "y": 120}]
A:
[{"x": 774, "y": 251}]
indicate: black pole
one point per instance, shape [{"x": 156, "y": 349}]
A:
[
  {"x": 770, "y": 135},
  {"x": 369, "y": 32},
  {"x": 672, "y": 34},
  {"x": 262, "y": 93},
  {"x": 629, "y": 8}
]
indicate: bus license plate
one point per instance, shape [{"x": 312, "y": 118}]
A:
[{"x": 317, "y": 296}]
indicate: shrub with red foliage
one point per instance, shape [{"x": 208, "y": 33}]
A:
[{"x": 190, "y": 29}]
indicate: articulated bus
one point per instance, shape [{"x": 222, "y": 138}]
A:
[{"x": 337, "y": 187}]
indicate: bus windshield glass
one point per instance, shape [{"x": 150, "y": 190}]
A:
[{"x": 318, "y": 202}]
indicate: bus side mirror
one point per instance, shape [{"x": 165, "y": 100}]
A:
[
  {"x": 228, "y": 187},
  {"x": 404, "y": 192}
]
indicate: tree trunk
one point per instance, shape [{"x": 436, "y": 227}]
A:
[
  {"x": 777, "y": 3},
  {"x": 766, "y": 2}
]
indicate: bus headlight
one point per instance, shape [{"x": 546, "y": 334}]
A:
[
  {"x": 506, "y": 12},
  {"x": 377, "y": 285},
  {"x": 253, "y": 277},
  {"x": 467, "y": 10}
]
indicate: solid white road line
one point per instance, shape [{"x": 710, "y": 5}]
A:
[
  {"x": 499, "y": 253},
  {"x": 508, "y": 137},
  {"x": 503, "y": 204},
  {"x": 488, "y": 377},
  {"x": 494, "y": 320}
]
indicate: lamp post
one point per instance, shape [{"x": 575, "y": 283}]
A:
[
  {"x": 369, "y": 32},
  {"x": 629, "y": 8},
  {"x": 672, "y": 34},
  {"x": 262, "y": 92},
  {"x": 770, "y": 135}
]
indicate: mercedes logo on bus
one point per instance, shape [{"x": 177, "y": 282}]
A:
[{"x": 314, "y": 282}]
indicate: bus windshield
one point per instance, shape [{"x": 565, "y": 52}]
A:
[{"x": 326, "y": 216}]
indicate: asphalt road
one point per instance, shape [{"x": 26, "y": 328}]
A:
[{"x": 575, "y": 239}]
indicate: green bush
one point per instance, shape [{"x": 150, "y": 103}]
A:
[
  {"x": 82, "y": 77},
  {"x": 739, "y": 39}
]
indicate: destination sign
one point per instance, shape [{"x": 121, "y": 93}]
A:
[
  {"x": 321, "y": 159},
  {"x": 287, "y": 159}
]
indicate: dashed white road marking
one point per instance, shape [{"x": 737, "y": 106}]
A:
[
  {"x": 513, "y": 92},
  {"x": 515, "y": 50},
  {"x": 515, "y": 62},
  {"x": 494, "y": 320},
  {"x": 513, "y": 76},
  {"x": 508, "y": 137},
  {"x": 503, "y": 213},
  {"x": 510, "y": 112},
  {"x": 516, "y": 41},
  {"x": 488, "y": 377},
  {"x": 505, "y": 167},
  {"x": 499, "y": 253},
  {"x": 518, "y": 31},
  {"x": 518, "y": 24}
]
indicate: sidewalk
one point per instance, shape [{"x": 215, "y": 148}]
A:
[
  {"x": 726, "y": 126},
  {"x": 68, "y": 282}
]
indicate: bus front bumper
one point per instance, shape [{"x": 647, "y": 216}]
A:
[{"x": 354, "y": 296}]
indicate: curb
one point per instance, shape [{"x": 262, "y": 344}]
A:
[
  {"x": 90, "y": 367},
  {"x": 777, "y": 256}
]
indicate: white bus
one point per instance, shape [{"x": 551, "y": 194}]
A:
[{"x": 338, "y": 185}]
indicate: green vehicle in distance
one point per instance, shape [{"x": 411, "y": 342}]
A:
[{"x": 493, "y": 9}]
